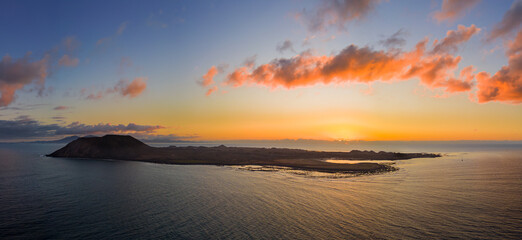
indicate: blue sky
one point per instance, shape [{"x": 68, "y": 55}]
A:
[{"x": 170, "y": 45}]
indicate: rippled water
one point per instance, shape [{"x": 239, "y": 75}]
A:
[{"x": 474, "y": 194}]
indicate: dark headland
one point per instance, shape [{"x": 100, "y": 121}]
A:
[{"x": 120, "y": 147}]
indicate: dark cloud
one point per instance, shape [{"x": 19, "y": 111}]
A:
[
  {"x": 24, "y": 107},
  {"x": 59, "y": 118},
  {"x": 395, "y": 40},
  {"x": 286, "y": 45},
  {"x": 336, "y": 13},
  {"x": 511, "y": 21},
  {"x": 23, "y": 127},
  {"x": 77, "y": 128},
  {"x": 453, "y": 9}
]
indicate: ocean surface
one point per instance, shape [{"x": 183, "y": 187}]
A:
[{"x": 473, "y": 192}]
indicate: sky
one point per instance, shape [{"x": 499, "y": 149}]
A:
[{"x": 232, "y": 70}]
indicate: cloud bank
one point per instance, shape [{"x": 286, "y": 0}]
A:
[
  {"x": 435, "y": 67},
  {"x": 24, "y": 127}
]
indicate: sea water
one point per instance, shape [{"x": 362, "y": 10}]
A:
[{"x": 473, "y": 191}]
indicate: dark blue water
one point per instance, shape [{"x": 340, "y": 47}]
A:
[{"x": 472, "y": 194}]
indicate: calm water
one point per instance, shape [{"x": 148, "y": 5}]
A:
[{"x": 473, "y": 192}]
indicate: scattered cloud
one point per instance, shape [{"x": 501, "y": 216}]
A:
[
  {"x": 67, "y": 61},
  {"x": 132, "y": 89},
  {"x": 211, "y": 90},
  {"x": 154, "y": 20},
  {"x": 71, "y": 43},
  {"x": 104, "y": 40},
  {"x": 335, "y": 13},
  {"x": 125, "y": 62},
  {"x": 250, "y": 61},
  {"x": 208, "y": 78},
  {"x": 308, "y": 39},
  {"x": 395, "y": 40},
  {"x": 119, "y": 31},
  {"x": 506, "y": 84},
  {"x": 511, "y": 21},
  {"x": 60, "y": 108},
  {"x": 453, "y": 9},
  {"x": 16, "y": 74},
  {"x": 123, "y": 87},
  {"x": 286, "y": 45},
  {"x": 121, "y": 28}
]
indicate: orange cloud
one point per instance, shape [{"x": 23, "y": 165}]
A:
[
  {"x": 211, "y": 90},
  {"x": 208, "y": 78},
  {"x": 123, "y": 87},
  {"x": 132, "y": 89},
  {"x": 67, "y": 61},
  {"x": 453, "y": 9},
  {"x": 506, "y": 84},
  {"x": 434, "y": 68},
  {"x": 14, "y": 75}
]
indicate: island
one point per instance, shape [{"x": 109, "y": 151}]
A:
[{"x": 124, "y": 147}]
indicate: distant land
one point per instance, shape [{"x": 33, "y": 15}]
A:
[
  {"x": 63, "y": 140},
  {"x": 121, "y": 147}
]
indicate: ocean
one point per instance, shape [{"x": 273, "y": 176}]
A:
[{"x": 473, "y": 192}]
